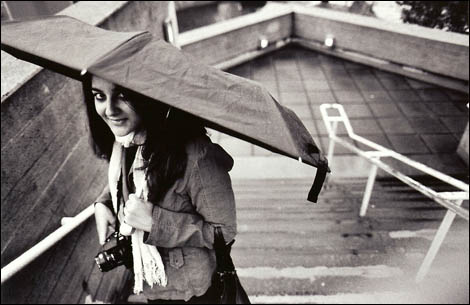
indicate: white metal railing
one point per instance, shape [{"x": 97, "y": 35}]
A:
[
  {"x": 68, "y": 225},
  {"x": 450, "y": 200}
]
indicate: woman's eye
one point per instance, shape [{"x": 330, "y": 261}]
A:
[
  {"x": 121, "y": 96},
  {"x": 99, "y": 96}
]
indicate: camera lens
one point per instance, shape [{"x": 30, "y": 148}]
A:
[{"x": 116, "y": 256}]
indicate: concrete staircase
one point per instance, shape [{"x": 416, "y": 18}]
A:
[{"x": 289, "y": 250}]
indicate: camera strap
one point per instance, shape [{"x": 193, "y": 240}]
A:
[
  {"x": 127, "y": 156},
  {"x": 119, "y": 195},
  {"x": 120, "y": 189}
]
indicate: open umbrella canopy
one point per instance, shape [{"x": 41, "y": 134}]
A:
[{"x": 158, "y": 70}]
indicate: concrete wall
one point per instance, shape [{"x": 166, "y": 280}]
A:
[
  {"x": 430, "y": 55},
  {"x": 226, "y": 40},
  {"x": 49, "y": 171}
]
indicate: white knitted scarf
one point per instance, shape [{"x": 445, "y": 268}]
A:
[{"x": 148, "y": 263}]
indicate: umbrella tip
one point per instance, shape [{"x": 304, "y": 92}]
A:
[
  {"x": 300, "y": 159},
  {"x": 83, "y": 72}
]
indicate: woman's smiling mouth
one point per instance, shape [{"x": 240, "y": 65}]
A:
[{"x": 117, "y": 121}]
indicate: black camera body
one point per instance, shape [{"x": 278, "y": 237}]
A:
[{"x": 121, "y": 254}]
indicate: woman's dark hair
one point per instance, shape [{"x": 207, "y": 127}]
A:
[{"x": 164, "y": 151}]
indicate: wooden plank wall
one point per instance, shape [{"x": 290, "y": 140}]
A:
[{"x": 48, "y": 172}]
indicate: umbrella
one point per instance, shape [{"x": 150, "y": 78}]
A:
[{"x": 152, "y": 67}]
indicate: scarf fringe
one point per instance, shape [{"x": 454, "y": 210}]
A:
[
  {"x": 149, "y": 267},
  {"x": 148, "y": 264},
  {"x": 154, "y": 274}
]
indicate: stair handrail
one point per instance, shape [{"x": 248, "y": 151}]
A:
[
  {"x": 68, "y": 224},
  {"x": 450, "y": 200},
  {"x": 388, "y": 152}
]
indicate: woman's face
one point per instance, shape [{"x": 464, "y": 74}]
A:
[{"x": 114, "y": 108}]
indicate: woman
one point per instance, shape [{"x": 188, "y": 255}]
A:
[{"x": 184, "y": 193}]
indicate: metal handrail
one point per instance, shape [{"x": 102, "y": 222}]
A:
[
  {"x": 390, "y": 153},
  {"x": 442, "y": 198},
  {"x": 68, "y": 224},
  {"x": 450, "y": 200}
]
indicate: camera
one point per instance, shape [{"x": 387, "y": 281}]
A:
[{"x": 121, "y": 254}]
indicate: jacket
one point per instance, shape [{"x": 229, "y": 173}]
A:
[{"x": 184, "y": 220}]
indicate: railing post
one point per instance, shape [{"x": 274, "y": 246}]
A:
[
  {"x": 368, "y": 191},
  {"x": 436, "y": 243},
  {"x": 331, "y": 146}
]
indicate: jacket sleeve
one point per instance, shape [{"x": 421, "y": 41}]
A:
[
  {"x": 105, "y": 198},
  {"x": 210, "y": 190}
]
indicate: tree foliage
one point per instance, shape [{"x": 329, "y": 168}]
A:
[{"x": 446, "y": 15}]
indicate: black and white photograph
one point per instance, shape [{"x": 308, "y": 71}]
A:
[{"x": 235, "y": 152}]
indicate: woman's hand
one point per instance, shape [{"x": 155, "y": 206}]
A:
[
  {"x": 104, "y": 221},
  {"x": 138, "y": 213}
]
